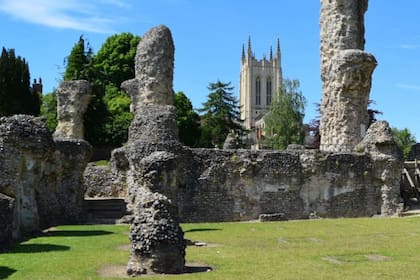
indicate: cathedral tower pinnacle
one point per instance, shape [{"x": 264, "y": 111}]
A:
[{"x": 259, "y": 82}]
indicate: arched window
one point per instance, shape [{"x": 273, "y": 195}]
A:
[
  {"x": 268, "y": 87},
  {"x": 258, "y": 91}
]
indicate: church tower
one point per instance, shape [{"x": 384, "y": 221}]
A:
[{"x": 259, "y": 83}]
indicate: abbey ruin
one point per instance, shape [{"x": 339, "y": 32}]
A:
[{"x": 355, "y": 173}]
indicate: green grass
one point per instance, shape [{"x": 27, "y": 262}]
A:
[
  {"x": 102, "y": 163},
  {"x": 387, "y": 248}
]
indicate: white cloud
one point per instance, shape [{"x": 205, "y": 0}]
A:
[
  {"x": 409, "y": 46},
  {"x": 67, "y": 14},
  {"x": 116, "y": 3},
  {"x": 408, "y": 86}
]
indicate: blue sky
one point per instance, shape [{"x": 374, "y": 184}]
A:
[{"x": 208, "y": 37}]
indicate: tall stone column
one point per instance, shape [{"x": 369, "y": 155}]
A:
[
  {"x": 157, "y": 240},
  {"x": 346, "y": 73},
  {"x": 72, "y": 100}
]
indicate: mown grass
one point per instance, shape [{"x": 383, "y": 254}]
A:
[{"x": 321, "y": 249}]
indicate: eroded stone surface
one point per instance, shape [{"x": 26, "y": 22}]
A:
[
  {"x": 6, "y": 220},
  {"x": 346, "y": 72},
  {"x": 72, "y": 101},
  {"x": 102, "y": 181},
  {"x": 157, "y": 242},
  {"x": 156, "y": 237},
  {"x": 154, "y": 65},
  {"x": 43, "y": 176}
]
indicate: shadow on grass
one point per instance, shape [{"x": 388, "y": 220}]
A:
[
  {"x": 37, "y": 248},
  {"x": 197, "y": 269},
  {"x": 77, "y": 233},
  {"x": 201, "y": 229},
  {"x": 5, "y": 272}
]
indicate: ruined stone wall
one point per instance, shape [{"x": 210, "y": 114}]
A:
[
  {"x": 42, "y": 175},
  {"x": 41, "y": 178},
  {"x": 238, "y": 185},
  {"x": 103, "y": 181}
]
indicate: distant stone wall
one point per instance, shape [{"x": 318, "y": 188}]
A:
[
  {"x": 102, "y": 181},
  {"x": 238, "y": 185}
]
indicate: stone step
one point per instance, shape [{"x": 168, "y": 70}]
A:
[
  {"x": 408, "y": 213},
  {"x": 104, "y": 210}
]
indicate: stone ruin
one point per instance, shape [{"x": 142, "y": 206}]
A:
[
  {"x": 355, "y": 174},
  {"x": 72, "y": 101},
  {"x": 346, "y": 73},
  {"x": 157, "y": 240},
  {"x": 41, "y": 177}
]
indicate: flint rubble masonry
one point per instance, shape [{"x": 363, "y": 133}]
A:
[{"x": 346, "y": 73}]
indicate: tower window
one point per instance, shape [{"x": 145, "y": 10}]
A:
[
  {"x": 258, "y": 91},
  {"x": 268, "y": 101}
]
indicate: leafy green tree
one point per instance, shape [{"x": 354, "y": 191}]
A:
[
  {"x": 284, "y": 121},
  {"x": 79, "y": 62},
  {"x": 49, "y": 109},
  {"x": 114, "y": 62},
  {"x": 16, "y": 95},
  {"x": 220, "y": 115},
  {"x": 187, "y": 119},
  {"x": 108, "y": 115},
  {"x": 405, "y": 139}
]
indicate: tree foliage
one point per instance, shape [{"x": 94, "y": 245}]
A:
[
  {"x": 16, "y": 95},
  {"x": 284, "y": 121},
  {"x": 49, "y": 109},
  {"x": 405, "y": 139},
  {"x": 108, "y": 115},
  {"x": 187, "y": 119},
  {"x": 114, "y": 62},
  {"x": 220, "y": 115},
  {"x": 79, "y": 62}
]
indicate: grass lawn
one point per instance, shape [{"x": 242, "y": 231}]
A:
[{"x": 387, "y": 248}]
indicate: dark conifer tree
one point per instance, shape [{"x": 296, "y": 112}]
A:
[{"x": 16, "y": 95}]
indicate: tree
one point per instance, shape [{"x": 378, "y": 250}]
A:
[
  {"x": 79, "y": 62},
  {"x": 372, "y": 112},
  {"x": 405, "y": 139},
  {"x": 16, "y": 95},
  {"x": 49, "y": 109},
  {"x": 220, "y": 115},
  {"x": 284, "y": 121},
  {"x": 114, "y": 62},
  {"x": 187, "y": 119},
  {"x": 108, "y": 116}
]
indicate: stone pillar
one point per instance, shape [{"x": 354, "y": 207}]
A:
[
  {"x": 72, "y": 101},
  {"x": 346, "y": 72},
  {"x": 154, "y": 70},
  {"x": 157, "y": 240}
]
